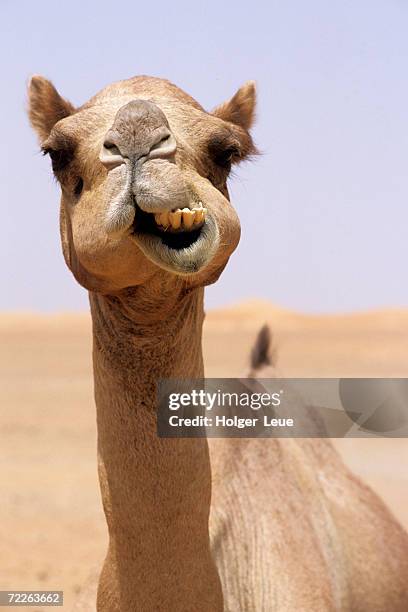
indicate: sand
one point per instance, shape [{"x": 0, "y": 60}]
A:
[{"x": 52, "y": 528}]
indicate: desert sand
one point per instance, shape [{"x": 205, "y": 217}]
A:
[{"x": 52, "y": 530}]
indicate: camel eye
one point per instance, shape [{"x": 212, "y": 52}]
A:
[
  {"x": 225, "y": 158},
  {"x": 223, "y": 153},
  {"x": 60, "y": 158}
]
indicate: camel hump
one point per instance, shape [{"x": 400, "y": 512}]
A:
[{"x": 261, "y": 353}]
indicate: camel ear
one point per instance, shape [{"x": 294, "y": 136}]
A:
[
  {"x": 45, "y": 106},
  {"x": 241, "y": 108}
]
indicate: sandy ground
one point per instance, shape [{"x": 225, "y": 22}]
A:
[{"x": 52, "y": 529}]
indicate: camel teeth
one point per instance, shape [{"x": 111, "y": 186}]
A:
[
  {"x": 175, "y": 219},
  {"x": 188, "y": 217},
  {"x": 184, "y": 218},
  {"x": 164, "y": 219},
  {"x": 199, "y": 216}
]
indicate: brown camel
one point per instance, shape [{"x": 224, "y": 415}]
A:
[{"x": 146, "y": 222}]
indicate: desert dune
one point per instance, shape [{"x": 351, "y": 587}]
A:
[{"x": 52, "y": 528}]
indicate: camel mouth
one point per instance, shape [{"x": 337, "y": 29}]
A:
[
  {"x": 181, "y": 240},
  {"x": 178, "y": 229}
]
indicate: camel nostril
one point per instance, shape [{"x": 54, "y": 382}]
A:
[
  {"x": 111, "y": 147},
  {"x": 165, "y": 147},
  {"x": 110, "y": 155}
]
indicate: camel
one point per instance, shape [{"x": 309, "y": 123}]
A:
[{"x": 239, "y": 525}]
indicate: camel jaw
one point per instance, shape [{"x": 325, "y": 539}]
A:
[{"x": 183, "y": 244}]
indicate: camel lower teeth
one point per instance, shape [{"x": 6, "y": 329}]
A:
[{"x": 186, "y": 219}]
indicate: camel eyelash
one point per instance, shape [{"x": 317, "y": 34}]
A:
[
  {"x": 225, "y": 157},
  {"x": 60, "y": 158},
  {"x": 224, "y": 152}
]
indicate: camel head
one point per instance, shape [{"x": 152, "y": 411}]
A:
[{"x": 143, "y": 173}]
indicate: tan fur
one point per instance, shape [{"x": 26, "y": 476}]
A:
[
  {"x": 46, "y": 106},
  {"x": 241, "y": 108},
  {"x": 290, "y": 528}
]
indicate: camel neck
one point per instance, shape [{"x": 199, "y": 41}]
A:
[{"x": 156, "y": 492}]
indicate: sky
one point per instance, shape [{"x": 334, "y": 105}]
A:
[{"x": 324, "y": 210}]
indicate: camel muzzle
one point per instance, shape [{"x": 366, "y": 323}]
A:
[
  {"x": 177, "y": 229},
  {"x": 140, "y": 132},
  {"x": 166, "y": 218}
]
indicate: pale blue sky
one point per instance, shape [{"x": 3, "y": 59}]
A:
[{"x": 324, "y": 211}]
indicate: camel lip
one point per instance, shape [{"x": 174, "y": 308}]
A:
[
  {"x": 183, "y": 253},
  {"x": 173, "y": 231},
  {"x": 144, "y": 223}
]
